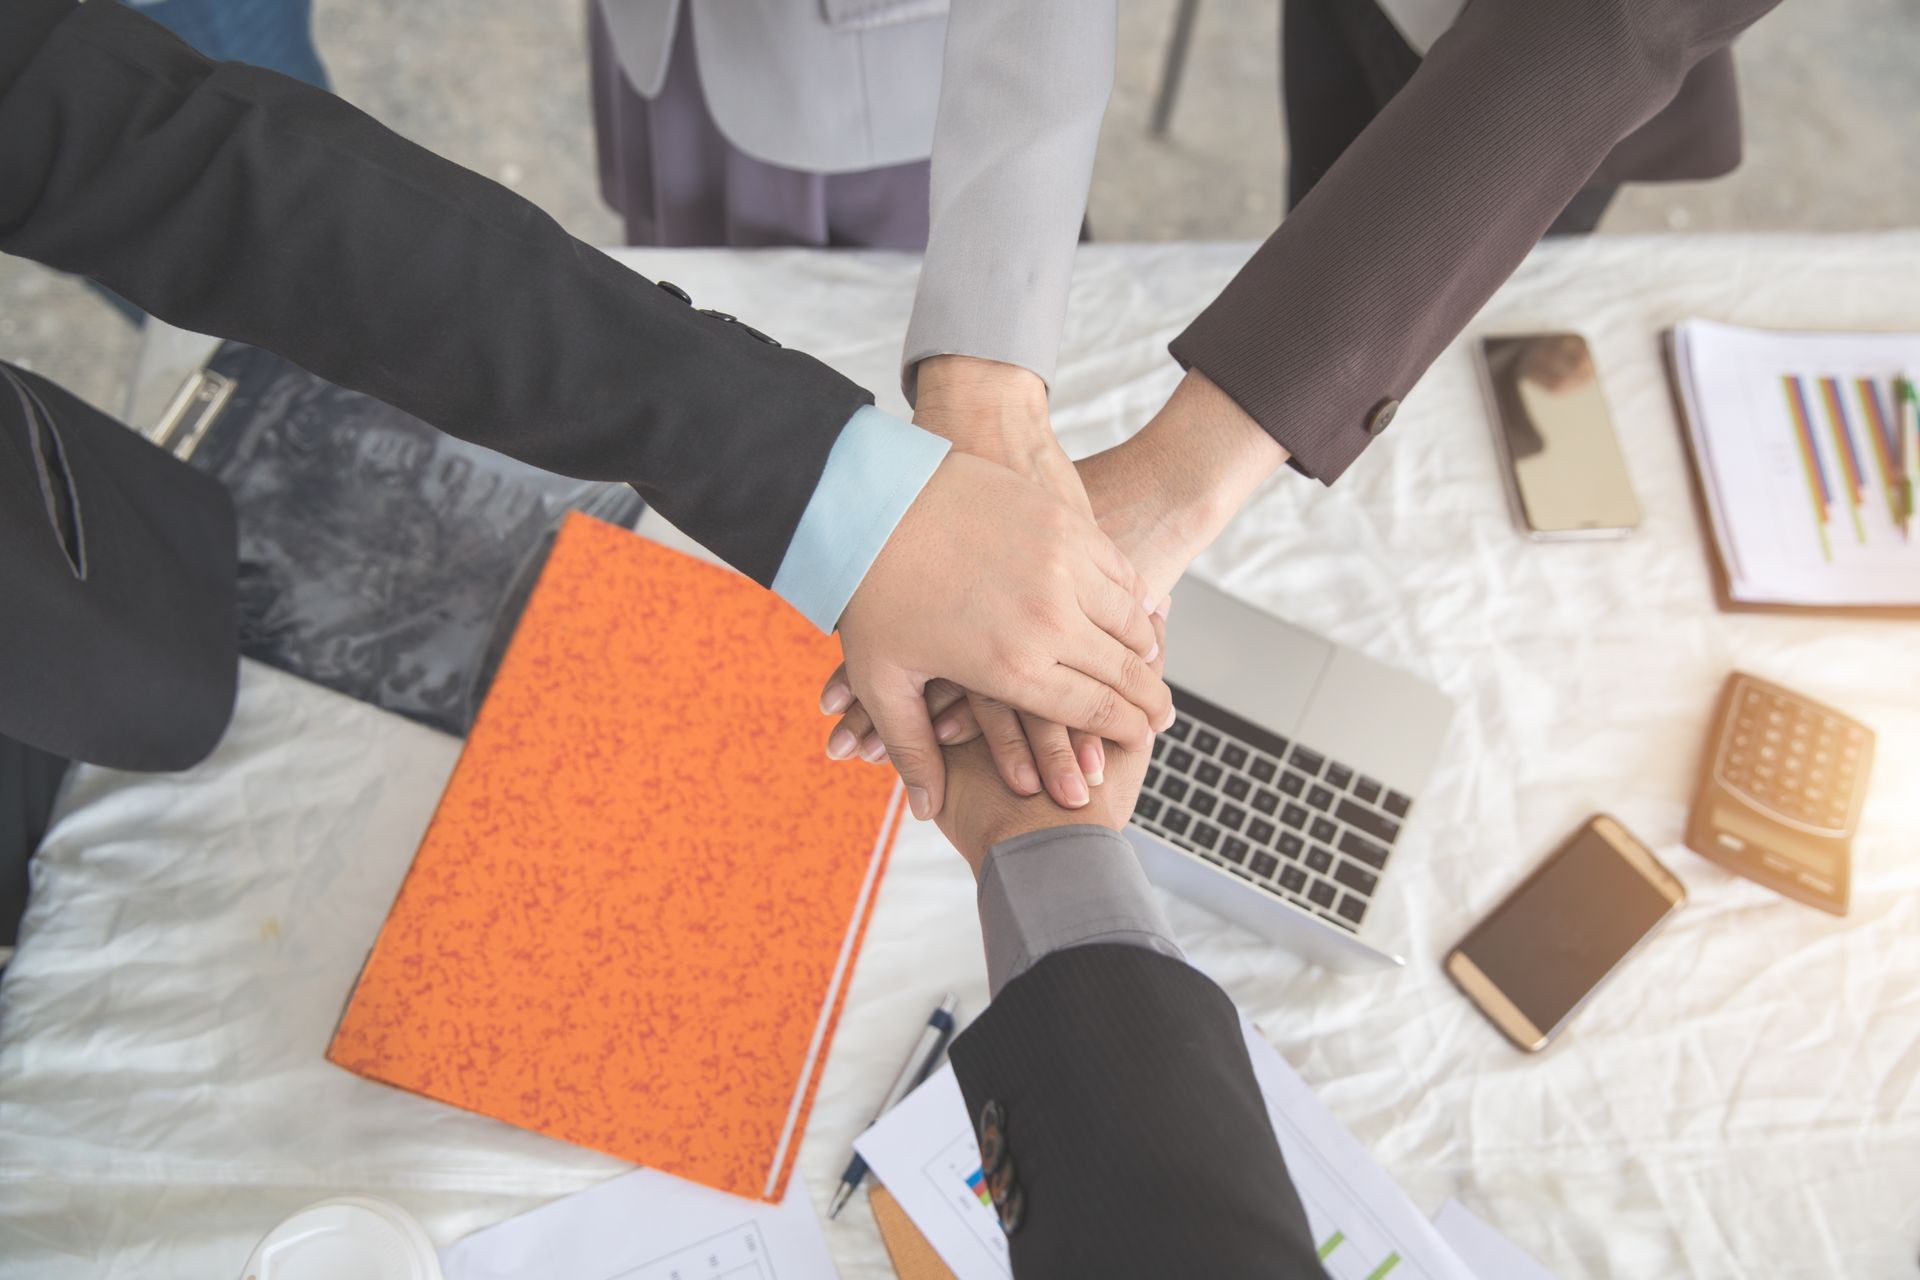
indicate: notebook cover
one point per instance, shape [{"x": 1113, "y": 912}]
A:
[
  {"x": 912, "y": 1257},
  {"x": 632, "y": 921}
]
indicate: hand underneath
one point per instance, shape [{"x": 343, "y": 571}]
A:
[
  {"x": 981, "y": 813},
  {"x": 993, "y": 584}
]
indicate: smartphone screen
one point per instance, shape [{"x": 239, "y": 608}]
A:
[
  {"x": 1562, "y": 931},
  {"x": 1566, "y": 471}
]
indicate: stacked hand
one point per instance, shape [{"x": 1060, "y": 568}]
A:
[{"x": 1160, "y": 498}]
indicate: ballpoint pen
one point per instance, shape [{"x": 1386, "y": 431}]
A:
[{"x": 919, "y": 1063}]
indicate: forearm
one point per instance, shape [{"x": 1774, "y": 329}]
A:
[
  {"x": 1167, "y": 492},
  {"x": 244, "y": 204},
  {"x": 1022, "y": 94},
  {"x": 1431, "y": 208}
]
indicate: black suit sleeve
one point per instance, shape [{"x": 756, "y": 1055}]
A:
[
  {"x": 1135, "y": 1133},
  {"x": 241, "y": 203}
]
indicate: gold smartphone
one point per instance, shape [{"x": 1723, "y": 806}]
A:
[
  {"x": 1542, "y": 953},
  {"x": 1566, "y": 475}
]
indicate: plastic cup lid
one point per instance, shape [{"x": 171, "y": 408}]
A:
[{"x": 356, "y": 1236}]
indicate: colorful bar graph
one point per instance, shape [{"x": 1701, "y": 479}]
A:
[
  {"x": 1810, "y": 458},
  {"x": 1843, "y": 448},
  {"x": 1881, "y": 425},
  {"x": 1339, "y": 1238},
  {"x": 977, "y": 1183}
]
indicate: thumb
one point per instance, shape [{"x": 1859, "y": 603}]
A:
[{"x": 900, "y": 719}]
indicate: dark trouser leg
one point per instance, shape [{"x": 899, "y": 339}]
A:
[
  {"x": 1323, "y": 90},
  {"x": 29, "y": 782}
]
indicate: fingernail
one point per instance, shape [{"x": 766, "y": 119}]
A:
[
  {"x": 1074, "y": 791},
  {"x": 946, "y": 730},
  {"x": 840, "y": 744},
  {"x": 835, "y": 699},
  {"x": 1093, "y": 763},
  {"x": 1165, "y": 607},
  {"x": 917, "y": 801},
  {"x": 1154, "y": 652},
  {"x": 1147, "y": 604},
  {"x": 873, "y": 749},
  {"x": 1168, "y": 722},
  {"x": 1026, "y": 778}
]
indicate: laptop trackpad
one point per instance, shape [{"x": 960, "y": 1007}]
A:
[
  {"x": 1380, "y": 720},
  {"x": 1241, "y": 658}
]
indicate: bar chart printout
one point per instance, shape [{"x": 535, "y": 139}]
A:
[
  {"x": 1802, "y": 463},
  {"x": 1364, "y": 1226}
]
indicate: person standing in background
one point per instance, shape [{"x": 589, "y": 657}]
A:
[{"x": 762, "y": 123}]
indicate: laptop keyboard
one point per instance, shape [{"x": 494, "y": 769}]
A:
[{"x": 1275, "y": 813}]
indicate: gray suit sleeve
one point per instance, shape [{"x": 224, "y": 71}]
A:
[
  {"x": 1023, "y": 88},
  {"x": 1065, "y": 887}
]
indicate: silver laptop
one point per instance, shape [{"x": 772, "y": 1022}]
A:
[{"x": 1281, "y": 796}]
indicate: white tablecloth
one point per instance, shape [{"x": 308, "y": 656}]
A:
[{"x": 1744, "y": 1100}]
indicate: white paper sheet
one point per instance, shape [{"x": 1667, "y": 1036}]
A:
[
  {"x": 647, "y": 1225},
  {"x": 1487, "y": 1253},
  {"x": 1796, "y": 435},
  {"x": 924, "y": 1152}
]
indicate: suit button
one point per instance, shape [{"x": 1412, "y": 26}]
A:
[
  {"x": 1013, "y": 1212},
  {"x": 1382, "y": 416},
  {"x": 993, "y": 1151},
  {"x": 755, "y": 333},
  {"x": 1000, "y": 1182},
  {"x": 676, "y": 291},
  {"x": 718, "y": 315},
  {"x": 992, "y": 1117}
]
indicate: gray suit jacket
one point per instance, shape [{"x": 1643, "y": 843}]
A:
[
  {"x": 834, "y": 86},
  {"x": 826, "y": 86}
]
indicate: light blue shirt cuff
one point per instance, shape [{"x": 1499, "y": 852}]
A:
[{"x": 876, "y": 469}]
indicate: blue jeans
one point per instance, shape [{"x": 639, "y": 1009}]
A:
[{"x": 275, "y": 34}]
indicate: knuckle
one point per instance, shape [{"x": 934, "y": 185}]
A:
[{"x": 1104, "y": 712}]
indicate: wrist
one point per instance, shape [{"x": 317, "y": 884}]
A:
[
  {"x": 1207, "y": 456},
  {"x": 975, "y": 384}
]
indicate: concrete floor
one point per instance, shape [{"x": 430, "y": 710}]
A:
[{"x": 1831, "y": 91}]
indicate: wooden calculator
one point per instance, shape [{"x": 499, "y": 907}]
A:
[{"x": 1781, "y": 790}]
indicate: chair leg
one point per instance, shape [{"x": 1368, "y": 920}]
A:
[{"x": 1175, "y": 64}]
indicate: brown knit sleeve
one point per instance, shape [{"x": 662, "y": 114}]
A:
[{"x": 1433, "y": 206}]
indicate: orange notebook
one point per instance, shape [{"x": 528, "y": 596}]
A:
[{"x": 633, "y": 919}]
